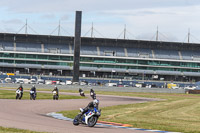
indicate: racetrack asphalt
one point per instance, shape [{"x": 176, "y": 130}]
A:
[{"x": 31, "y": 115}]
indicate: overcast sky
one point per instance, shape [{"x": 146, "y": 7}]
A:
[{"x": 141, "y": 17}]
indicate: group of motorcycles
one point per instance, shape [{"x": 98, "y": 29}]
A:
[
  {"x": 92, "y": 93},
  {"x": 88, "y": 118},
  {"x": 33, "y": 94},
  {"x": 19, "y": 94},
  {"x": 91, "y": 116}
]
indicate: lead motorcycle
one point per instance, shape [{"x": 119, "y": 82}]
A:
[{"x": 89, "y": 118}]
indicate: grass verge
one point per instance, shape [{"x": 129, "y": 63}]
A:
[
  {"x": 178, "y": 113},
  {"x": 14, "y": 130},
  {"x": 10, "y": 94}
]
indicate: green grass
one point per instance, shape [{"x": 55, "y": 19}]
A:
[
  {"x": 178, "y": 112},
  {"x": 14, "y": 130},
  {"x": 10, "y": 94}
]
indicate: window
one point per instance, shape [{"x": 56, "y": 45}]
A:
[
  {"x": 31, "y": 56},
  {"x": 42, "y": 56}
]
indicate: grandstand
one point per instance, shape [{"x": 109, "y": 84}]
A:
[{"x": 100, "y": 57}]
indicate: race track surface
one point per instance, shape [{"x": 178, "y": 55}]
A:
[{"x": 31, "y": 115}]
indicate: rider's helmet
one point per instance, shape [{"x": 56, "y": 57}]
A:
[
  {"x": 96, "y": 102},
  {"x": 33, "y": 86},
  {"x": 20, "y": 85}
]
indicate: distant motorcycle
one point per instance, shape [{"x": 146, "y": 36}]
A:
[
  {"x": 81, "y": 93},
  {"x": 32, "y": 95},
  {"x": 92, "y": 94},
  {"x": 89, "y": 118},
  {"x": 18, "y": 94},
  {"x": 55, "y": 95}
]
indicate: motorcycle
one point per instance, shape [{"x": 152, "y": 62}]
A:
[
  {"x": 32, "y": 95},
  {"x": 55, "y": 95},
  {"x": 18, "y": 94},
  {"x": 93, "y": 95},
  {"x": 89, "y": 118},
  {"x": 81, "y": 93}
]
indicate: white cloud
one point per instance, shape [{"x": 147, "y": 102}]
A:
[
  {"x": 41, "y": 6},
  {"x": 65, "y": 17},
  {"x": 48, "y": 16},
  {"x": 12, "y": 21},
  {"x": 173, "y": 17},
  {"x": 173, "y": 21}
]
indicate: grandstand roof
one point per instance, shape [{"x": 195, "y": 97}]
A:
[{"x": 100, "y": 41}]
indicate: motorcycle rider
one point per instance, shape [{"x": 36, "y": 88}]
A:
[
  {"x": 56, "y": 89},
  {"x": 34, "y": 89},
  {"x": 91, "y": 105},
  {"x": 92, "y": 94},
  {"x": 81, "y": 92},
  {"x": 21, "y": 89}
]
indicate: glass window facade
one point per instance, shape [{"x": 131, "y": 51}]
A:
[{"x": 99, "y": 62}]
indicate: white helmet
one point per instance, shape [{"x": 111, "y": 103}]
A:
[{"x": 96, "y": 102}]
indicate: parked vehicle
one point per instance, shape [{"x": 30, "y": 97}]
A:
[
  {"x": 26, "y": 81},
  {"x": 33, "y": 81},
  {"x": 89, "y": 118},
  {"x": 62, "y": 83},
  {"x": 171, "y": 86},
  {"x": 8, "y": 80},
  {"x": 111, "y": 84},
  {"x": 40, "y": 81},
  {"x": 48, "y": 82},
  {"x": 138, "y": 85},
  {"x": 126, "y": 85},
  {"x": 190, "y": 87},
  {"x": 68, "y": 82},
  {"x": 19, "y": 81},
  {"x": 120, "y": 85},
  {"x": 54, "y": 82},
  {"x": 83, "y": 83}
]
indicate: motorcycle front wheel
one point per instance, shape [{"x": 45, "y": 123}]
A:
[
  {"x": 76, "y": 120},
  {"x": 92, "y": 121},
  {"x": 17, "y": 96}
]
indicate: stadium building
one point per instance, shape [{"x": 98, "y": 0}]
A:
[{"x": 100, "y": 57}]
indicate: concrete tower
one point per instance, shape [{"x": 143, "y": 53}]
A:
[{"x": 77, "y": 46}]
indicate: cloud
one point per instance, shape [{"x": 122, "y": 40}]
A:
[
  {"x": 48, "y": 16},
  {"x": 65, "y": 17},
  {"x": 141, "y": 16},
  {"x": 12, "y": 21},
  {"x": 50, "y": 6}
]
